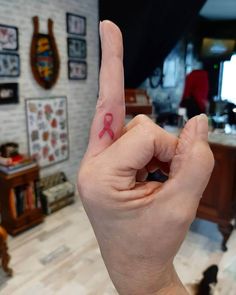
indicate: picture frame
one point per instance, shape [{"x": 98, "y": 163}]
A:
[
  {"x": 8, "y": 38},
  {"x": 77, "y": 70},
  {"x": 9, "y": 65},
  {"x": 77, "y": 48},
  {"x": 76, "y": 24},
  {"x": 9, "y": 93},
  {"x": 47, "y": 129}
]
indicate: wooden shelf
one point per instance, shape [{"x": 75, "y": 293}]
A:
[{"x": 30, "y": 217}]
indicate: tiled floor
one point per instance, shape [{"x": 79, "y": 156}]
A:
[{"x": 61, "y": 257}]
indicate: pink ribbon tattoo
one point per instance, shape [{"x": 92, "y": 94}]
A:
[{"x": 108, "y": 118}]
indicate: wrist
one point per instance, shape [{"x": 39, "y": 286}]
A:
[
  {"x": 175, "y": 288},
  {"x": 150, "y": 282}
]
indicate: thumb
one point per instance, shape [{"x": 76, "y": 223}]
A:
[
  {"x": 110, "y": 111},
  {"x": 193, "y": 162}
]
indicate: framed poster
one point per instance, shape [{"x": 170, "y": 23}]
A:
[
  {"x": 76, "y": 48},
  {"x": 77, "y": 70},
  {"x": 8, "y": 38},
  {"x": 47, "y": 126},
  {"x": 9, "y": 93},
  {"x": 9, "y": 65},
  {"x": 76, "y": 24}
]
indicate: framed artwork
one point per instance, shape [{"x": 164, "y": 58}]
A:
[
  {"x": 77, "y": 70},
  {"x": 9, "y": 65},
  {"x": 76, "y": 48},
  {"x": 76, "y": 24},
  {"x": 8, "y": 38},
  {"x": 9, "y": 93},
  {"x": 47, "y": 126}
]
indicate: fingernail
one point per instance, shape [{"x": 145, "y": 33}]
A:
[
  {"x": 100, "y": 29},
  {"x": 202, "y": 117},
  {"x": 202, "y": 126}
]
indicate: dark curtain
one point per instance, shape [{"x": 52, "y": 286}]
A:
[{"x": 150, "y": 29}]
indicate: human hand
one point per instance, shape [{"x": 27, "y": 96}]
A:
[{"x": 139, "y": 225}]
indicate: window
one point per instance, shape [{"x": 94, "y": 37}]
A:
[{"x": 228, "y": 86}]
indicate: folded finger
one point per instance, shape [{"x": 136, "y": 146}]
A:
[{"x": 139, "y": 145}]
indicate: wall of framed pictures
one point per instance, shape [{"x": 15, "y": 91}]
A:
[
  {"x": 9, "y": 63},
  {"x": 76, "y": 46},
  {"x": 17, "y": 84}
]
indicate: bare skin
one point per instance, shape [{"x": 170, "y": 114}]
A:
[{"x": 140, "y": 225}]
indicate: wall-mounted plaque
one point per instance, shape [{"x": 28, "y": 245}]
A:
[{"x": 44, "y": 57}]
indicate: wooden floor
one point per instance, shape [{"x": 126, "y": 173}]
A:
[{"x": 61, "y": 256}]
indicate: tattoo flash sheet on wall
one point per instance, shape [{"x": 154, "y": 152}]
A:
[{"x": 47, "y": 125}]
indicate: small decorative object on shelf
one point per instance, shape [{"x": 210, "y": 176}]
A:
[
  {"x": 56, "y": 192},
  {"x": 9, "y": 166},
  {"x": 9, "y": 149},
  {"x": 11, "y": 161},
  {"x": 20, "y": 200}
]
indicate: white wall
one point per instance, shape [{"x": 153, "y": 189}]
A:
[{"x": 81, "y": 95}]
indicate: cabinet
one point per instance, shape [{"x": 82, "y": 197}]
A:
[
  {"x": 4, "y": 256},
  {"x": 137, "y": 102},
  {"x": 218, "y": 203},
  {"x": 30, "y": 215}
]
